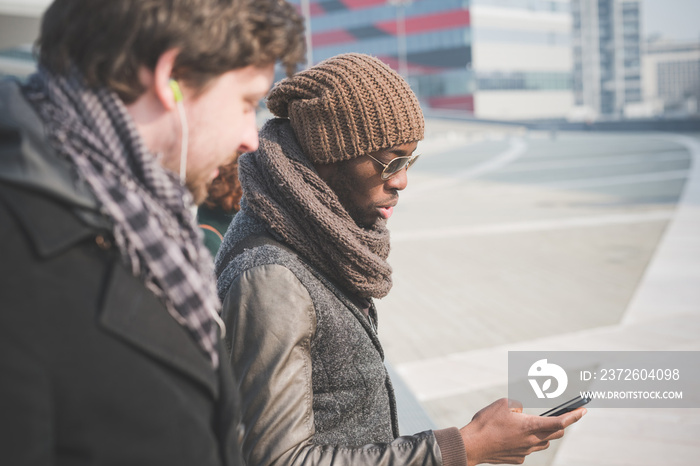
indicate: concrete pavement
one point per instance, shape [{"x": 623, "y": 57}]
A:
[
  {"x": 663, "y": 314},
  {"x": 624, "y": 253}
]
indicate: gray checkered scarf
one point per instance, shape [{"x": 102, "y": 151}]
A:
[{"x": 148, "y": 207}]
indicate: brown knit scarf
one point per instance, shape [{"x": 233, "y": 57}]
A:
[{"x": 283, "y": 189}]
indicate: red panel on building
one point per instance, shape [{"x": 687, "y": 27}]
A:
[
  {"x": 316, "y": 9},
  {"x": 360, "y": 4},
  {"x": 453, "y": 102},
  {"x": 338, "y": 36},
  {"x": 431, "y": 22},
  {"x": 413, "y": 68}
]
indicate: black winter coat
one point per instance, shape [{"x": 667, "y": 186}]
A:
[{"x": 93, "y": 369}]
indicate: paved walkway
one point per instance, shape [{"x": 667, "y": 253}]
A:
[{"x": 664, "y": 314}]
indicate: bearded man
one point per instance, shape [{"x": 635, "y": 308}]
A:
[{"x": 110, "y": 349}]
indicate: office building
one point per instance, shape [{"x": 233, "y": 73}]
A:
[
  {"x": 429, "y": 41},
  {"x": 522, "y": 58},
  {"x": 17, "y": 61},
  {"x": 500, "y": 59},
  {"x": 19, "y": 27},
  {"x": 672, "y": 76},
  {"x": 607, "y": 55}
]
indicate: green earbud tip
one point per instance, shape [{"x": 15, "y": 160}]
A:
[{"x": 176, "y": 90}]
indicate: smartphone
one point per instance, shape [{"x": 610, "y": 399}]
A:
[{"x": 566, "y": 407}]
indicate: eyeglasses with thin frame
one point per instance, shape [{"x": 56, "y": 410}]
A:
[{"x": 396, "y": 165}]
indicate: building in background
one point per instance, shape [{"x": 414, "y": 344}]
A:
[
  {"x": 672, "y": 77},
  {"x": 500, "y": 59},
  {"x": 607, "y": 57},
  {"x": 427, "y": 40},
  {"x": 19, "y": 27},
  {"x": 19, "y": 21},
  {"x": 494, "y": 59},
  {"x": 522, "y": 59},
  {"x": 17, "y": 61}
]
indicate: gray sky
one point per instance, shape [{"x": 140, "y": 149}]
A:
[{"x": 675, "y": 19}]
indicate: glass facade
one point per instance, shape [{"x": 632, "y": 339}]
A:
[
  {"x": 556, "y": 6},
  {"x": 534, "y": 81},
  {"x": 673, "y": 75},
  {"x": 18, "y": 62},
  {"x": 18, "y": 53},
  {"x": 607, "y": 45},
  {"x": 494, "y": 35},
  {"x": 631, "y": 52},
  {"x": 429, "y": 40},
  {"x": 678, "y": 81}
]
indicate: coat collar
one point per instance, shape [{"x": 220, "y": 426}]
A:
[{"x": 51, "y": 230}]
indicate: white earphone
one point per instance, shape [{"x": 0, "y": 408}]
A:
[{"x": 177, "y": 92}]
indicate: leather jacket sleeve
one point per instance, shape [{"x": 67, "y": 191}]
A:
[{"x": 271, "y": 321}]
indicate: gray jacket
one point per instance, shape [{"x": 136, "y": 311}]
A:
[{"x": 314, "y": 387}]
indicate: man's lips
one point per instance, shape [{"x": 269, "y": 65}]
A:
[{"x": 386, "y": 211}]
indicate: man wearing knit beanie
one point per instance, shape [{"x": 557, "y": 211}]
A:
[{"x": 299, "y": 268}]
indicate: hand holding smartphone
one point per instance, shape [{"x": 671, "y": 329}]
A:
[{"x": 566, "y": 407}]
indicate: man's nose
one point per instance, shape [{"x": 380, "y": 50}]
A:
[
  {"x": 399, "y": 181},
  {"x": 250, "y": 141}
]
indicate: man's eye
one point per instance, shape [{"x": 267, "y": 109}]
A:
[{"x": 250, "y": 106}]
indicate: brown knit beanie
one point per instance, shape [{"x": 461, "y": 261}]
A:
[{"x": 347, "y": 106}]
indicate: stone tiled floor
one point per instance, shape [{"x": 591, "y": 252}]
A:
[{"x": 513, "y": 255}]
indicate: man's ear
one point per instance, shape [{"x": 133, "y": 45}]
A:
[{"x": 161, "y": 78}]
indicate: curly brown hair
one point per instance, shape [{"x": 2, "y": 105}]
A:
[
  {"x": 108, "y": 41},
  {"x": 225, "y": 190}
]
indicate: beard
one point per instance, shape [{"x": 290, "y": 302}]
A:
[{"x": 199, "y": 191}]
